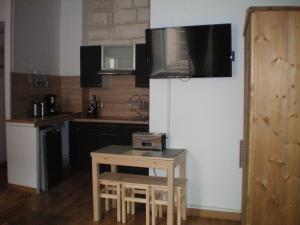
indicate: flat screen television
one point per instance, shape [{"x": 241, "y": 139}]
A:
[{"x": 191, "y": 51}]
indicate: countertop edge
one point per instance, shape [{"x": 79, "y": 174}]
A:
[
  {"x": 110, "y": 121},
  {"x": 41, "y": 121},
  {"x": 16, "y": 123},
  {"x": 32, "y": 122}
]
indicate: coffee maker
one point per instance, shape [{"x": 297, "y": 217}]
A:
[{"x": 51, "y": 104}]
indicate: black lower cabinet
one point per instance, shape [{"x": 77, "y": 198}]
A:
[{"x": 86, "y": 137}]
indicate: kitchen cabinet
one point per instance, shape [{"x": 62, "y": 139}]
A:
[
  {"x": 118, "y": 59},
  {"x": 90, "y": 65},
  {"x": 125, "y": 138},
  {"x": 86, "y": 137},
  {"x": 141, "y": 74},
  {"x": 271, "y": 167},
  {"x": 114, "y": 62}
]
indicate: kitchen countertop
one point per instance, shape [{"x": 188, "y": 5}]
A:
[
  {"x": 109, "y": 119},
  {"x": 37, "y": 122}
]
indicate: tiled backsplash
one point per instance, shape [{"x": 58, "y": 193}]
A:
[
  {"x": 23, "y": 94},
  {"x": 115, "y": 98},
  {"x": 72, "y": 97},
  {"x": 71, "y": 94}
]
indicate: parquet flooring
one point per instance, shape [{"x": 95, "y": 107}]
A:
[{"x": 70, "y": 203}]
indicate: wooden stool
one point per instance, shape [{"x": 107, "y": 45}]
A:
[
  {"x": 179, "y": 192},
  {"x": 111, "y": 190},
  {"x": 137, "y": 187},
  {"x": 138, "y": 184}
]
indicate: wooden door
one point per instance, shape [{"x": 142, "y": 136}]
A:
[
  {"x": 271, "y": 191},
  {"x": 247, "y": 117},
  {"x": 2, "y": 97}
]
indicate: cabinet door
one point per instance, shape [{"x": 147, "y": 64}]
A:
[
  {"x": 86, "y": 137},
  {"x": 54, "y": 157},
  {"x": 73, "y": 145},
  {"x": 141, "y": 74},
  {"x": 126, "y": 139},
  {"x": 79, "y": 146},
  {"x": 90, "y": 64}
]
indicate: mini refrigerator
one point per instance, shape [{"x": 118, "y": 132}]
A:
[{"x": 50, "y": 158}]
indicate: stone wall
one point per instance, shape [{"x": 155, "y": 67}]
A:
[{"x": 117, "y": 21}]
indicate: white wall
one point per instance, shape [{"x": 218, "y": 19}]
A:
[
  {"x": 205, "y": 116},
  {"x": 48, "y": 36},
  {"x": 2, "y": 115},
  {"x": 70, "y": 37},
  {"x": 37, "y": 36},
  {"x": 5, "y": 16}
]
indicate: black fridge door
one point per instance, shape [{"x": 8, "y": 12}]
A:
[{"x": 53, "y": 151}]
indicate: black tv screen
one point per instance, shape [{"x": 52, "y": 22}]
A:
[{"x": 191, "y": 51}]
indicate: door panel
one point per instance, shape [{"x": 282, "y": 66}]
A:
[
  {"x": 272, "y": 124},
  {"x": 2, "y": 97}
]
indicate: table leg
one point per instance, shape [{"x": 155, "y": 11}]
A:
[
  {"x": 113, "y": 169},
  {"x": 182, "y": 174},
  {"x": 170, "y": 174},
  {"x": 96, "y": 201}
]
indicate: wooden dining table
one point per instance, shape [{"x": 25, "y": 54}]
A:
[{"x": 120, "y": 155}]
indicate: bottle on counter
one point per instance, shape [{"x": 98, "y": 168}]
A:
[
  {"x": 92, "y": 109},
  {"x": 43, "y": 109},
  {"x": 36, "y": 108},
  {"x": 95, "y": 107},
  {"x": 99, "y": 107}
]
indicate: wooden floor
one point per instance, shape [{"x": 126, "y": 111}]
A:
[{"x": 71, "y": 204}]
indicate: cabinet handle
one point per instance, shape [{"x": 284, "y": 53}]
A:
[
  {"x": 107, "y": 134},
  {"x": 243, "y": 154},
  {"x": 119, "y": 72}
]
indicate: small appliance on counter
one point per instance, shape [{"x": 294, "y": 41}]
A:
[
  {"x": 46, "y": 106},
  {"x": 149, "y": 141},
  {"x": 51, "y": 104},
  {"x": 39, "y": 108},
  {"x": 95, "y": 107},
  {"x": 50, "y": 158}
]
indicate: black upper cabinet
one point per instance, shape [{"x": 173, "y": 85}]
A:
[
  {"x": 141, "y": 74},
  {"x": 90, "y": 64}
]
